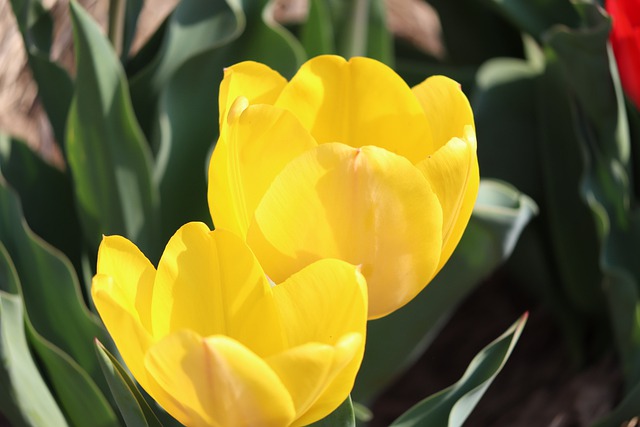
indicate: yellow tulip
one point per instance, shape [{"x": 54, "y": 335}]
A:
[
  {"x": 345, "y": 161},
  {"x": 215, "y": 344}
]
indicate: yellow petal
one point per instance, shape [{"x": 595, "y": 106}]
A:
[
  {"x": 319, "y": 377},
  {"x": 132, "y": 339},
  {"x": 360, "y": 102},
  {"x": 446, "y": 107},
  {"x": 219, "y": 382},
  {"x": 366, "y": 206},
  {"x": 255, "y": 148},
  {"x": 252, "y": 80},
  {"x": 322, "y": 302},
  {"x": 132, "y": 274},
  {"x": 453, "y": 174},
  {"x": 209, "y": 282}
]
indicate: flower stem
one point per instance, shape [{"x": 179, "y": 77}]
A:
[{"x": 116, "y": 24}]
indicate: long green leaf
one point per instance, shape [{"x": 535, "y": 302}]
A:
[
  {"x": 43, "y": 188},
  {"x": 50, "y": 288},
  {"x": 24, "y": 396},
  {"x": 317, "y": 34},
  {"x": 601, "y": 122},
  {"x": 78, "y": 395},
  {"x": 499, "y": 216},
  {"x": 187, "y": 107},
  {"x": 451, "y": 406},
  {"x": 557, "y": 256},
  {"x": 134, "y": 409},
  {"x": 108, "y": 155},
  {"x": 195, "y": 26},
  {"x": 132, "y": 12}
]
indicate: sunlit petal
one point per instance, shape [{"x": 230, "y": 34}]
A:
[
  {"x": 219, "y": 382},
  {"x": 123, "y": 323},
  {"x": 366, "y": 206},
  {"x": 446, "y": 107},
  {"x": 132, "y": 274},
  {"x": 359, "y": 102},
  {"x": 322, "y": 302},
  {"x": 319, "y": 376},
  {"x": 257, "y": 145},
  {"x": 209, "y": 282},
  {"x": 252, "y": 80},
  {"x": 453, "y": 174}
]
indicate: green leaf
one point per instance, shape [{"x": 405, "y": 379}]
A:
[
  {"x": 451, "y": 406},
  {"x": 536, "y": 16},
  {"x": 24, "y": 396},
  {"x": 607, "y": 186},
  {"x": 316, "y": 34},
  {"x": 185, "y": 123},
  {"x": 132, "y": 12},
  {"x": 362, "y": 31},
  {"x": 108, "y": 155},
  {"x": 79, "y": 396},
  {"x": 133, "y": 407},
  {"x": 343, "y": 416},
  {"x": 196, "y": 26},
  {"x": 43, "y": 188},
  {"x": 380, "y": 39},
  {"x": 50, "y": 288},
  {"x": 55, "y": 87},
  {"x": 499, "y": 216},
  {"x": 557, "y": 258}
]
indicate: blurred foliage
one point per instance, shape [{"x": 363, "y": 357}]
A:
[{"x": 136, "y": 132}]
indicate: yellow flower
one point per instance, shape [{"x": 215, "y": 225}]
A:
[
  {"x": 213, "y": 343},
  {"x": 345, "y": 161}
]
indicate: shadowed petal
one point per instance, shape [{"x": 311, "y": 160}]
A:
[
  {"x": 255, "y": 148},
  {"x": 360, "y": 102},
  {"x": 453, "y": 174},
  {"x": 319, "y": 377},
  {"x": 210, "y": 282},
  {"x": 366, "y": 206},
  {"x": 219, "y": 382},
  {"x": 132, "y": 339}
]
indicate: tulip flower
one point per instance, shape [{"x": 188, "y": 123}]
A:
[
  {"x": 345, "y": 161},
  {"x": 625, "y": 40},
  {"x": 215, "y": 344}
]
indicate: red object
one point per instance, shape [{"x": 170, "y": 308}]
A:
[{"x": 625, "y": 39}]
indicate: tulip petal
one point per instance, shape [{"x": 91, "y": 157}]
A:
[
  {"x": 132, "y": 339},
  {"x": 219, "y": 382},
  {"x": 318, "y": 376},
  {"x": 322, "y": 302},
  {"x": 252, "y": 80},
  {"x": 337, "y": 102},
  {"x": 255, "y": 148},
  {"x": 132, "y": 274},
  {"x": 446, "y": 107},
  {"x": 453, "y": 174},
  {"x": 366, "y": 206},
  {"x": 210, "y": 282}
]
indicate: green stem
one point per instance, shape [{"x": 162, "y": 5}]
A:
[
  {"x": 359, "y": 29},
  {"x": 116, "y": 24}
]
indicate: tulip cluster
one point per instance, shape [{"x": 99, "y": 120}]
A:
[{"x": 336, "y": 198}]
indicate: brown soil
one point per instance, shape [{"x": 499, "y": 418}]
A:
[{"x": 537, "y": 387}]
